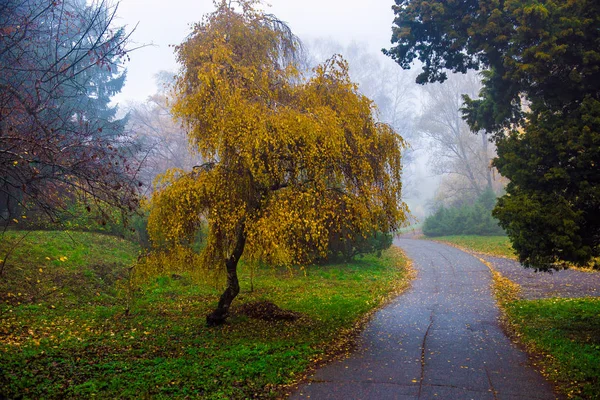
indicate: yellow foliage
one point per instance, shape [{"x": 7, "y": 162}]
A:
[
  {"x": 178, "y": 260},
  {"x": 291, "y": 160}
]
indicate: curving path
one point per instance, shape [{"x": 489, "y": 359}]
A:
[{"x": 439, "y": 340}]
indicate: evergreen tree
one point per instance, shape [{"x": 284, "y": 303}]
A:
[
  {"x": 541, "y": 100},
  {"x": 58, "y": 133}
]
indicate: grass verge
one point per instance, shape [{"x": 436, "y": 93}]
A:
[
  {"x": 566, "y": 332},
  {"x": 83, "y": 344},
  {"x": 490, "y": 245},
  {"x": 561, "y": 334}
]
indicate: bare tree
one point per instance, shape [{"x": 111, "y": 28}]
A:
[
  {"x": 461, "y": 156},
  {"x": 163, "y": 140},
  {"x": 59, "y": 65}
]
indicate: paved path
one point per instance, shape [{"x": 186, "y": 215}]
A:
[
  {"x": 439, "y": 340},
  {"x": 543, "y": 285}
]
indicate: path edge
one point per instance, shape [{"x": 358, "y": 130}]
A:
[
  {"x": 505, "y": 291},
  {"x": 349, "y": 338}
]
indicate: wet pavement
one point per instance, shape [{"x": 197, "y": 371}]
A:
[
  {"x": 543, "y": 285},
  {"x": 439, "y": 340}
]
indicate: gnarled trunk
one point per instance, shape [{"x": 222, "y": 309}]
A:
[{"x": 220, "y": 314}]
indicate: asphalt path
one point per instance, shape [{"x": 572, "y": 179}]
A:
[{"x": 439, "y": 340}]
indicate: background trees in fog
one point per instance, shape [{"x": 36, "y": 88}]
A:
[
  {"x": 462, "y": 158},
  {"x": 164, "y": 143}
]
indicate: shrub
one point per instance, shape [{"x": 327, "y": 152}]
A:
[
  {"x": 473, "y": 219},
  {"x": 348, "y": 248}
]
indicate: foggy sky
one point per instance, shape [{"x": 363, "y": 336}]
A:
[{"x": 161, "y": 23}]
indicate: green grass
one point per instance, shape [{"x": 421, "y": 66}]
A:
[
  {"x": 67, "y": 267},
  {"x": 83, "y": 344},
  {"x": 567, "y": 334},
  {"x": 491, "y": 245},
  {"x": 45, "y": 249}
]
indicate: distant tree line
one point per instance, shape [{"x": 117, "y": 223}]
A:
[{"x": 466, "y": 219}]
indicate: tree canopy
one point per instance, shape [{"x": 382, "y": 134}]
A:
[
  {"x": 540, "y": 100},
  {"x": 290, "y": 162},
  {"x": 58, "y": 133}
]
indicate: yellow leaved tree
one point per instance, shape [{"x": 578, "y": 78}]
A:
[{"x": 291, "y": 161}]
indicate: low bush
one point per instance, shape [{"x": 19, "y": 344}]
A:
[
  {"x": 475, "y": 219},
  {"x": 347, "y": 248}
]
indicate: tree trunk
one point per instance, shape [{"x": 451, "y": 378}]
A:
[
  {"x": 220, "y": 314},
  {"x": 470, "y": 175},
  {"x": 485, "y": 143}
]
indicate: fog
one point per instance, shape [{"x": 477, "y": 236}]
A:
[
  {"x": 160, "y": 24},
  {"x": 356, "y": 29}
]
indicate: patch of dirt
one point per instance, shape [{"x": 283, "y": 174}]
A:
[{"x": 267, "y": 311}]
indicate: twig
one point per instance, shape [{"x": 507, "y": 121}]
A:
[{"x": 10, "y": 252}]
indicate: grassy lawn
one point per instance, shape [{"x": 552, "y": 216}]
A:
[
  {"x": 491, "y": 245},
  {"x": 77, "y": 249},
  {"x": 62, "y": 267},
  {"x": 567, "y": 334},
  {"x": 79, "y": 342}
]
